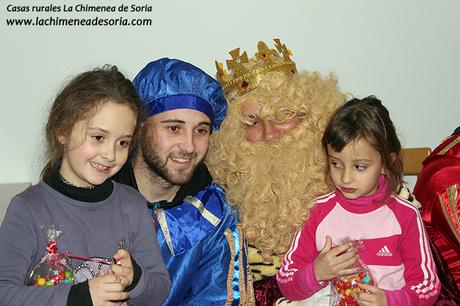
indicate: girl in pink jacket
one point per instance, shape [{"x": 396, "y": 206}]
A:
[{"x": 365, "y": 169}]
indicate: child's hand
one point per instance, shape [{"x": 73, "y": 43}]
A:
[
  {"x": 330, "y": 264},
  {"x": 372, "y": 295},
  {"x": 124, "y": 267},
  {"x": 106, "y": 290}
]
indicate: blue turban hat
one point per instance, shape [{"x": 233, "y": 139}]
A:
[{"x": 168, "y": 84}]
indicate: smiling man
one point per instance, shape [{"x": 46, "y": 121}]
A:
[{"x": 199, "y": 237}]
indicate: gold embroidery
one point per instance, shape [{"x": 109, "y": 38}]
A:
[
  {"x": 449, "y": 146},
  {"x": 250, "y": 298},
  {"x": 452, "y": 196},
  {"x": 161, "y": 218},
  {"x": 204, "y": 212},
  {"x": 231, "y": 269},
  {"x": 246, "y": 290},
  {"x": 247, "y": 294},
  {"x": 241, "y": 263}
]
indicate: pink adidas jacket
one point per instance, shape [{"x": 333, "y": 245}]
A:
[{"x": 396, "y": 249}]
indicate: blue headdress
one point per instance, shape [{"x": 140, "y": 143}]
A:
[{"x": 168, "y": 84}]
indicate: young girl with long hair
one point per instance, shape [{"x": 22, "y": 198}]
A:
[
  {"x": 365, "y": 170},
  {"x": 92, "y": 125}
]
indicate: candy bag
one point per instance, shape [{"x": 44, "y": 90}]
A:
[
  {"x": 343, "y": 286},
  {"x": 54, "y": 268}
]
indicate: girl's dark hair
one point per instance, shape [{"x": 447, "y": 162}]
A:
[
  {"x": 80, "y": 99},
  {"x": 366, "y": 119}
]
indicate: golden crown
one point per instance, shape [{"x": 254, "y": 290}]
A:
[{"x": 244, "y": 74}]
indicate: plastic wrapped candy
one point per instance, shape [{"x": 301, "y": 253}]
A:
[
  {"x": 54, "y": 268},
  {"x": 343, "y": 286}
]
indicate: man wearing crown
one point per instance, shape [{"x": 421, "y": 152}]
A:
[{"x": 268, "y": 153}]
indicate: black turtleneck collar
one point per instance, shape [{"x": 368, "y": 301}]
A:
[
  {"x": 200, "y": 179},
  {"x": 96, "y": 194}
]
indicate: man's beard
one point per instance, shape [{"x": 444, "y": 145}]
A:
[
  {"x": 272, "y": 184},
  {"x": 269, "y": 171},
  {"x": 159, "y": 167}
]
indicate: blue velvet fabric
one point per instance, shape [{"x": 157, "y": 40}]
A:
[
  {"x": 180, "y": 101},
  {"x": 165, "y": 78},
  {"x": 199, "y": 268}
]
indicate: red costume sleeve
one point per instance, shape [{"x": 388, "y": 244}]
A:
[{"x": 438, "y": 190}]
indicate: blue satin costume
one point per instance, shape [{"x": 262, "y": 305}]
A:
[
  {"x": 199, "y": 246},
  {"x": 201, "y": 243}
]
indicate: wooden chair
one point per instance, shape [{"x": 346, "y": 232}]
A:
[{"x": 412, "y": 159}]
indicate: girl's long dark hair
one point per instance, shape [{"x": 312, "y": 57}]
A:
[
  {"x": 366, "y": 119},
  {"x": 80, "y": 99}
]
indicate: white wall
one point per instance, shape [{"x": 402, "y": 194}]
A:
[
  {"x": 7, "y": 191},
  {"x": 405, "y": 52}
]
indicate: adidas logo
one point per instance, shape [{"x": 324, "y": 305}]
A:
[{"x": 384, "y": 252}]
